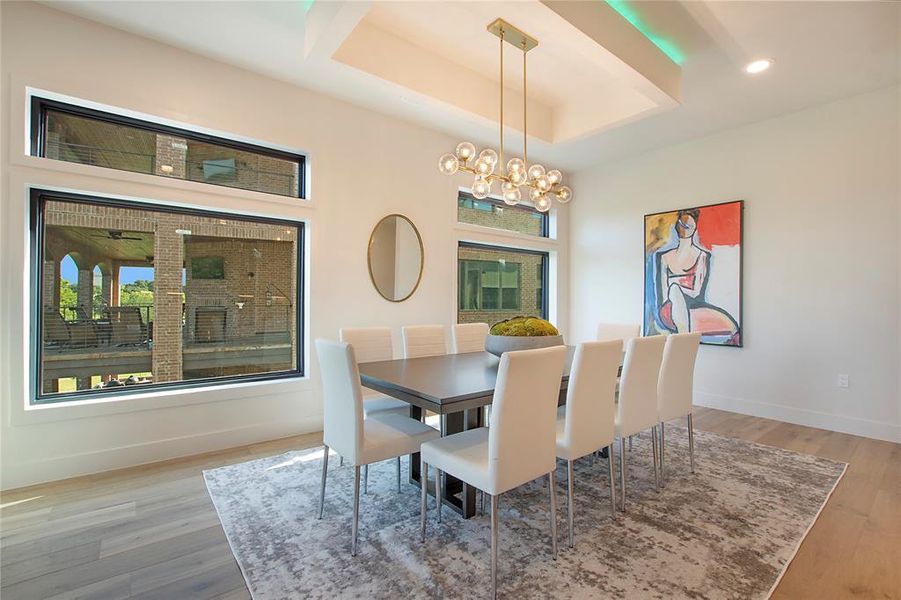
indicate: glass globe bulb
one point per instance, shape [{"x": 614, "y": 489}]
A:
[
  {"x": 483, "y": 167},
  {"x": 481, "y": 188},
  {"x": 512, "y": 195},
  {"x": 536, "y": 171},
  {"x": 517, "y": 177},
  {"x": 564, "y": 194},
  {"x": 554, "y": 176},
  {"x": 465, "y": 151},
  {"x": 515, "y": 165},
  {"x": 534, "y": 193},
  {"x": 489, "y": 156},
  {"x": 543, "y": 203},
  {"x": 448, "y": 164},
  {"x": 543, "y": 184}
]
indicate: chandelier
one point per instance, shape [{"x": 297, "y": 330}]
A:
[{"x": 518, "y": 177}]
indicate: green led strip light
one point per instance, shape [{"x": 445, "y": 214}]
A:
[{"x": 667, "y": 47}]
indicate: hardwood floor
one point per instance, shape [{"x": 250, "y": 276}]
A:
[{"x": 152, "y": 532}]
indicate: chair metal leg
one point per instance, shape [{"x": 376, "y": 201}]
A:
[
  {"x": 691, "y": 443},
  {"x": 654, "y": 452},
  {"x": 494, "y": 547},
  {"x": 366, "y": 479},
  {"x": 612, "y": 480},
  {"x": 662, "y": 452},
  {"x": 552, "y": 487},
  {"x": 398, "y": 474},
  {"x": 356, "y": 521},
  {"x": 322, "y": 487},
  {"x": 438, "y": 497},
  {"x": 569, "y": 499},
  {"x": 424, "y": 480},
  {"x": 622, "y": 473}
]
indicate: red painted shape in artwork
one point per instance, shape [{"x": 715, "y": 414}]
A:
[{"x": 720, "y": 225}]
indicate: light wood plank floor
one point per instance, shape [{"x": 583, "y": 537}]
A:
[{"x": 152, "y": 532}]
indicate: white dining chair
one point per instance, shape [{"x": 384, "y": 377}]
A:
[
  {"x": 637, "y": 406},
  {"x": 675, "y": 389},
  {"x": 469, "y": 337},
  {"x": 424, "y": 340},
  {"x": 373, "y": 344},
  {"x": 618, "y": 331},
  {"x": 586, "y": 423},
  {"x": 517, "y": 448},
  {"x": 362, "y": 441}
]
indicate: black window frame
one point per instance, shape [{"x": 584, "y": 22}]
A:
[
  {"x": 38, "y": 197},
  {"x": 40, "y": 106},
  {"x": 544, "y": 216},
  {"x": 545, "y": 272}
]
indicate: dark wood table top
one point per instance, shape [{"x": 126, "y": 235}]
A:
[{"x": 442, "y": 384}]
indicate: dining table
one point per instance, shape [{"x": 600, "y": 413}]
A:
[{"x": 454, "y": 386}]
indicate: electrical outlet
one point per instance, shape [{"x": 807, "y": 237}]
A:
[{"x": 843, "y": 380}]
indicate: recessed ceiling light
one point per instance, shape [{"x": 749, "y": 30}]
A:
[{"x": 759, "y": 66}]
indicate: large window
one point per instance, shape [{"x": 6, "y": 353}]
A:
[
  {"x": 497, "y": 283},
  {"x": 75, "y": 134},
  {"x": 131, "y": 296},
  {"x": 494, "y": 213}
]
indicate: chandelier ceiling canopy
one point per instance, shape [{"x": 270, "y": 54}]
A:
[{"x": 517, "y": 176}]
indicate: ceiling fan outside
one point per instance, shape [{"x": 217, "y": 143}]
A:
[{"x": 114, "y": 234}]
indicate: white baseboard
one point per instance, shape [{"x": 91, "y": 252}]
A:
[
  {"x": 26, "y": 473},
  {"x": 889, "y": 432}
]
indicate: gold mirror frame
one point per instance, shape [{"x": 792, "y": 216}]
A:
[{"x": 421, "y": 256}]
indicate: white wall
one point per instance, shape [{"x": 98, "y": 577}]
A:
[
  {"x": 362, "y": 166},
  {"x": 821, "y": 258}
]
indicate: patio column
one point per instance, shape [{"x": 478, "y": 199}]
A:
[
  {"x": 50, "y": 283},
  {"x": 86, "y": 289},
  {"x": 168, "y": 253},
  {"x": 106, "y": 284},
  {"x": 114, "y": 284}
]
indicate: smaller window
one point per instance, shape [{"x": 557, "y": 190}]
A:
[
  {"x": 496, "y": 283},
  {"x": 90, "y": 137},
  {"x": 493, "y": 213}
]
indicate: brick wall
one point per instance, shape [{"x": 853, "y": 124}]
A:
[
  {"x": 252, "y": 171},
  {"x": 502, "y": 217}
]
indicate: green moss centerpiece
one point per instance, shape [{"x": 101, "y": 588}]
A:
[{"x": 521, "y": 333}]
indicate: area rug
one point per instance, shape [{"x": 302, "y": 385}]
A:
[{"x": 727, "y": 531}]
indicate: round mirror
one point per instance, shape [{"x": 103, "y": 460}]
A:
[{"x": 395, "y": 258}]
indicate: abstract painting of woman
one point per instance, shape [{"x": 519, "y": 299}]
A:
[{"x": 692, "y": 273}]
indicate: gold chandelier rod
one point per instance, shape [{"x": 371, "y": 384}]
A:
[
  {"x": 525, "y": 129},
  {"x": 501, "y": 165}
]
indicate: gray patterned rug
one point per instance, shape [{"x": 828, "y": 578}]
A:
[{"x": 728, "y": 531}]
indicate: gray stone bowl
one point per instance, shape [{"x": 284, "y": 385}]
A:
[{"x": 498, "y": 344}]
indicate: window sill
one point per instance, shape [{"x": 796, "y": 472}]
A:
[
  {"x": 194, "y": 188},
  {"x": 514, "y": 238},
  {"x": 155, "y": 400}
]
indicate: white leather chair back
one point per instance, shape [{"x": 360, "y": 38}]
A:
[
  {"x": 469, "y": 337},
  {"x": 424, "y": 340},
  {"x": 591, "y": 397},
  {"x": 342, "y": 428},
  {"x": 371, "y": 344},
  {"x": 618, "y": 331},
  {"x": 675, "y": 387},
  {"x": 637, "y": 408},
  {"x": 522, "y": 439}
]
